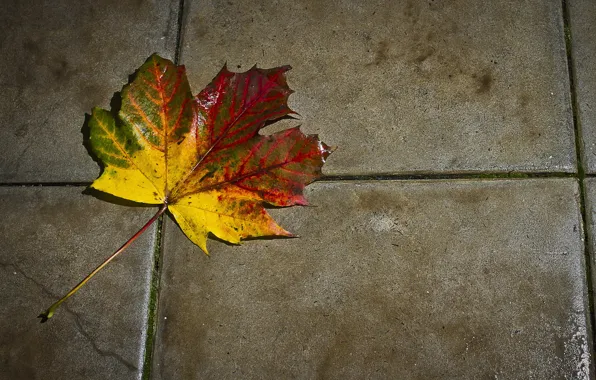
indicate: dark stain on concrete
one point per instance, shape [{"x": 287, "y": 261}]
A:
[
  {"x": 441, "y": 51},
  {"x": 524, "y": 100},
  {"x": 32, "y": 48},
  {"x": 412, "y": 11},
  {"x": 61, "y": 70},
  {"x": 379, "y": 201},
  {"x": 200, "y": 29},
  {"x": 471, "y": 196},
  {"x": 38, "y": 58},
  {"x": 21, "y": 367},
  {"x": 532, "y": 131},
  {"x": 485, "y": 83},
  {"x": 31, "y": 58},
  {"x": 424, "y": 55},
  {"x": 370, "y": 337},
  {"x": 381, "y": 53},
  {"x": 524, "y": 113}
]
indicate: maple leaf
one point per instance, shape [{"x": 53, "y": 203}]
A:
[{"x": 201, "y": 157}]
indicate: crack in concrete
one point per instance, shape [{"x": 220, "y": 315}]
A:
[
  {"x": 45, "y": 290},
  {"x": 105, "y": 353},
  {"x": 77, "y": 319}
]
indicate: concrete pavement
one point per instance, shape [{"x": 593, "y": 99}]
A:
[{"x": 421, "y": 258}]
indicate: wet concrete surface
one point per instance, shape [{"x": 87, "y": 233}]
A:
[
  {"x": 51, "y": 238},
  {"x": 583, "y": 41},
  {"x": 60, "y": 59},
  {"x": 406, "y": 86},
  {"x": 467, "y": 279},
  {"x": 401, "y": 280}
]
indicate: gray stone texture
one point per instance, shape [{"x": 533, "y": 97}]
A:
[
  {"x": 389, "y": 280},
  {"x": 59, "y": 59},
  {"x": 51, "y": 238},
  {"x": 582, "y": 14},
  {"x": 590, "y": 189},
  {"x": 458, "y": 279},
  {"x": 405, "y": 86}
]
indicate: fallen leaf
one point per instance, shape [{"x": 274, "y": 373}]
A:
[{"x": 201, "y": 157}]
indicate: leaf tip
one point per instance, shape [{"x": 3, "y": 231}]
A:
[
  {"x": 155, "y": 57},
  {"x": 287, "y": 234},
  {"x": 294, "y": 115},
  {"x": 327, "y": 149},
  {"x": 203, "y": 247}
]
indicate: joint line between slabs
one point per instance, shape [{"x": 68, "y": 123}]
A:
[
  {"x": 372, "y": 177},
  {"x": 178, "y": 48},
  {"x": 153, "y": 305},
  {"x": 45, "y": 184},
  {"x": 446, "y": 176}
]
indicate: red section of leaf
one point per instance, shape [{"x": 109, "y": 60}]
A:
[
  {"x": 236, "y": 105},
  {"x": 275, "y": 168},
  {"x": 231, "y": 111}
]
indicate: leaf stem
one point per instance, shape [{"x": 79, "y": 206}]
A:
[{"x": 52, "y": 309}]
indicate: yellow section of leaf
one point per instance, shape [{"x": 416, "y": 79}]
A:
[
  {"x": 129, "y": 184},
  {"x": 230, "y": 218},
  {"x": 182, "y": 158},
  {"x": 143, "y": 181},
  {"x": 134, "y": 170},
  {"x": 151, "y": 163}
]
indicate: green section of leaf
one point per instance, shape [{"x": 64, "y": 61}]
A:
[
  {"x": 112, "y": 145},
  {"x": 158, "y": 103}
]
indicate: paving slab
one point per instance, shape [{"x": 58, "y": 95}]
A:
[
  {"x": 405, "y": 86},
  {"x": 590, "y": 186},
  {"x": 389, "y": 280},
  {"x": 582, "y": 22},
  {"x": 51, "y": 238},
  {"x": 61, "y": 58}
]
